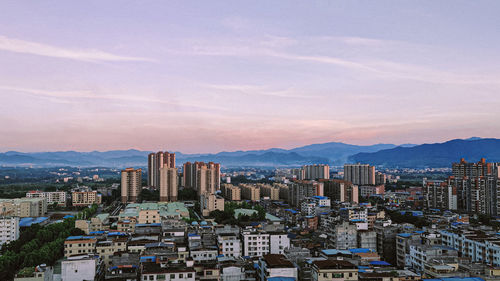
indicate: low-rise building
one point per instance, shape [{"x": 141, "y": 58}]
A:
[
  {"x": 23, "y": 207},
  {"x": 333, "y": 270},
  {"x": 9, "y": 229},
  {"x": 58, "y": 197},
  {"x": 210, "y": 203},
  {"x": 82, "y": 268},
  {"x": 85, "y": 198},
  {"x": 274, "y": 265}
]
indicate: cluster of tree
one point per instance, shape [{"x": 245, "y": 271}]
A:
[
  {"x": 243, "y": 179},
  {"x": 486, "y": 220},
  {"x": 187, "y": 194},
  {"x": 36, "y": 245},
  {"x": 227, "y": 216},
  {"x": 87, "y": 212},
  {"x": 408, "y": 217},
  {"x": 148, "y": 195}
]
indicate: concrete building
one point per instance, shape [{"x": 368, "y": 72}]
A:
[
  {"x": 369, "y": 190},
  {"x": 229, "y": 245},
  {"x": 250, "y": 192},
  {"x": 211, "y": 202},
  {"x": 278, "y": 242},
  {"x": 131, "y": 184},
  {"x": 203, "y": 177},
  {"x": 440, "y": 195},
  {"x": 367, "y": 239},
  {"x": 341, "y": 190},
  {"x": 473, "y": 244},
  {"x": 359, "y": 174},
  {"x": 168, "y": 184},
  {"x": 386, "y": 242},
  {"x": 82, "y": 268},
  {"x": 231, "y": 192},
  {"x": 9, "y": 229},
  {"x": 300, "y": 190},
  {"x": 472, "y": 170},
  {"x": 23, "y": 207},
  {"x": 270, "y": 191},
  {"x": 380, "y": 178},
  {"x": 86, "y": 198},
  {"x": 344, "y": 236},
  {"x": 316, "y": 172},
  {"x": 312, "y": 206},
  {"x": 156, "y": 272},
  {"x": 52, "y": 197},
  {"x": 274, "y": 266},
  {"x": 420, "y": 254},
  {"x": 327, "y": 270},
  {"x": 255, "y": 244},
  {"x": 80, "y": 245},
  {"x": 156, "y": 161}
]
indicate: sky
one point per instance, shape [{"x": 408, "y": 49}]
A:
[{"x": 209, "y": 76}]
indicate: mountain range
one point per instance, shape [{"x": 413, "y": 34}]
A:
[{"x": 333, "y": 153}]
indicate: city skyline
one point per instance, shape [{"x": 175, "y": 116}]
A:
[{"x": 210, "y": 77}]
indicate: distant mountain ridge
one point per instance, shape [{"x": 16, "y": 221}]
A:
[
  {"x": 333, "y": 153},
  {"x": 433, "y": 155},
  {"x": 325, "y": 153}
]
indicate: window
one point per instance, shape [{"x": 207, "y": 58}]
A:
[
  {"x": 160, "y": 277},
  {"x": 190, "y": 275},
  {"x": 151, "y": 277},
  {"x": 181, "y": 275},
  {"x": 172, "y": 276}
]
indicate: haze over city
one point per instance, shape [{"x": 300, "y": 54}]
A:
[{"x": 207, "y": 76}]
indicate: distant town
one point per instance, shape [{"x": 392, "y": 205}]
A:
[{"x": 198, "y": 221}]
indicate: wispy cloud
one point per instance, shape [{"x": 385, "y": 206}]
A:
[
  {"x": 258, "y": 90},
  {"x": 76, "y": 96},
  {"x": 88, "y": 55}
]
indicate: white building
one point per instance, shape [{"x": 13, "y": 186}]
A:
[
  {"x": 311, "y": 206},
  {"x": 278, "y": 242},
  {"x": 202, "y": 254},
  {"x": 9, "y": 229},
  {"x": 255, "y": 244},
  {"x": 232, "y": 273},
  {"x": 276, "y": 266},
  {"x": 229, "y": 245},
  {"x": 80, "y": 268},
  {"x": 58, "y": 197}
]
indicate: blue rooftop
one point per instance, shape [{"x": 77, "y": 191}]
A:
[
  {"x": 330, "y": 252},
  {"x": 360, "y": 250},
  {"x": 320, "y": 197},
  {"x": 384, "y": 263},
  {"x": 80, "y": 237},
  {"x": 405, "y": 235},
  {"x": 291, "y": 211},
  {"x": 27, "y": 222}
]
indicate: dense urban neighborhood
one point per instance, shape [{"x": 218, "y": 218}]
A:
[{"x": 196, "y": 221}]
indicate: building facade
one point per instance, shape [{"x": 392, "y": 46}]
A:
[{"x": 131, "y": 184}]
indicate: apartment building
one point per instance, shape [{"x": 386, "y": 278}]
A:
[
  {"x": 300, "y": 190},
  {"x": 106, "y": 249},
  {"x": 229, "y": 244},
  {"x": 369, "y": 190},
  {"x": 52, "y": 197},
  {"x": 359, "y": 174},
  {"x": 340, "y": 190},
  {"x": 255, "y": 244},
  {"x": 344, "y": 236},
  {"x": 250, "y": 192},
  {"x": 474, "y": 244},
  {"x": 131, "y": 184},
  {"x": 156, "y": 161},
  {"x": 23, "y": 207},
  {"x": 231, "y": 192},
  {"x": 312, "y": 206},
  {"x": 440, "y": 195},
  {"x": 210, "y": 202},
  {"x": 278, "y": 242},
  {"x": 270, "y": 191},
  {"x": 316, "y": 172},
  {"x": 82, "y": 267},
  {"x": 203, "y": 177},
  {"x": 9, "y": 229},
  {"x": 86, "y": 198},
  {"x": 168, "y": 184}
]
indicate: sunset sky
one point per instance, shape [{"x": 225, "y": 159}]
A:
[{"x": 209, "y": 76}]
